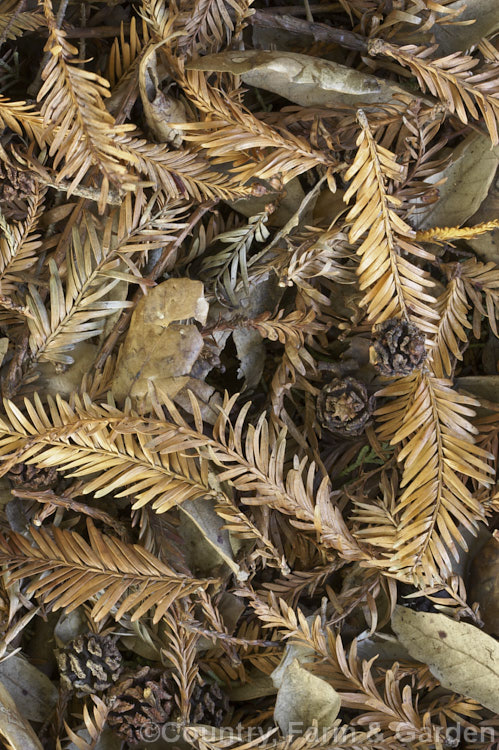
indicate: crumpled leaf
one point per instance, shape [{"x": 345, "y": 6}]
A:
[
  {"x": 157, "y": 349},
  {"x": 14, "y": 728},
  {"x": 64, "y": 382},
  {"x": 452, "y": 37},
  {"x": 160, "y": 107},
  {"x": 251, "y": 354},
  {"x": 29, "y": 687},
  {"x": 463, "y": 658},
  {"x": 467, "y": 181},
  {"x": 305, "y": 80},
  {"x": 303, "y": 699}
]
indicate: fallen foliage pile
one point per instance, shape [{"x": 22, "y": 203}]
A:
[{"x": 248, "y": 304}]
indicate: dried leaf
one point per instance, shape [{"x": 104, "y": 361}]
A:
[
  {"x": 13, "y": 726},
  {"x": 467, "y": 181},
  {"x": 462, "y": 657},
  {"x": 160, "y": 108},
  {"x": 156, "y": 349},
  {"x": 308, "y": 81},
  {"x": 453, "y": 37},
  {"x": 251, "y": 354},
  {"x": 29, "y": 687},
  {"x": 303, "y": 699},
  {"x": 208, "y": 542}
]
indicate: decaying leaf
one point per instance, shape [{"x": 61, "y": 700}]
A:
[
  {"x": 160, "y": 106},
  {"x": 303, "y": 699},
  {"x": 484, "y": 584},
  {"x": 208, "y": 543},
  {"x": 462, "y": 657},
  {"x": 29, "y": 688},
  {"x": 467, "y": 181},
  {"x": 309, "y": 81},
  {"x": 157, "y": 349},
  {"x": 453, "y": 37},
  {"x": 14, "y": 728},
  {"x": 251, "y": 354}
]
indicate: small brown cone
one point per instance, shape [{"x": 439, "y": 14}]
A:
[
  {"x": 140, "y": 705},
  {"x": 398, "y": 347},
  {"x": 344, "y": 407},
  {"x": 209, "y": 705},
  {"x": 89, "y": 663}
]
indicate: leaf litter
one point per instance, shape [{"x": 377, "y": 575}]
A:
[{"x": 249, "y": 292}]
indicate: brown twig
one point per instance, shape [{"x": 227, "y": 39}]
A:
[
  {"x": 195, "y": 627},
  {"x": 51, "y": 501},
  {"x": 321, "y": 32}
]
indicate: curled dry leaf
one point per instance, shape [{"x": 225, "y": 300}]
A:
[
  {"x": 308, "y": 81},
  {"x": 160, "y": 106},
  {"x": 208, "y": 542},
  {"x": 462, "y": 657}
]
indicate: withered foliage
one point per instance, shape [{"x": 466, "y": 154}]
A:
[{"x": 214, "y": 519}]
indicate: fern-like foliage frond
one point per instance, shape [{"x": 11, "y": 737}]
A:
[
  {"x": 127, "y": 577},
  {"x": 79, "y": 304},
  {"x": 451, "y": 79},
  {"x": 253, "y": 464},
  {"x": 182, "y": 654},
  {"x": 14, "y": 23},
  {"x": 125, "y": 52},
  {"x": 393, "y": 285},
  {"x": 84, "y": 441},
  {"x": 180, "y": 173},
  {"x": 19, "y": 243},
  {"x": 206, "y": 25},
  {"x": 73, "y": 316},
  {"x": 22, "y": 118},
  {"x": 226, "y": 266},
  {"x": 446, "y": 346},
  {"x": 159, "y": 17},
  {"x": 238, "y": 132},
  {"x": 432, "y": 422},
  {"x": 481, "y": 283},
  {"x": 327, "y": 255},
  {"x": 83, "y": 133},
  {"x": 164, "y": 462},
  {"x": 94, "y": 725},
  {"x": 200, "y": 26}
]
